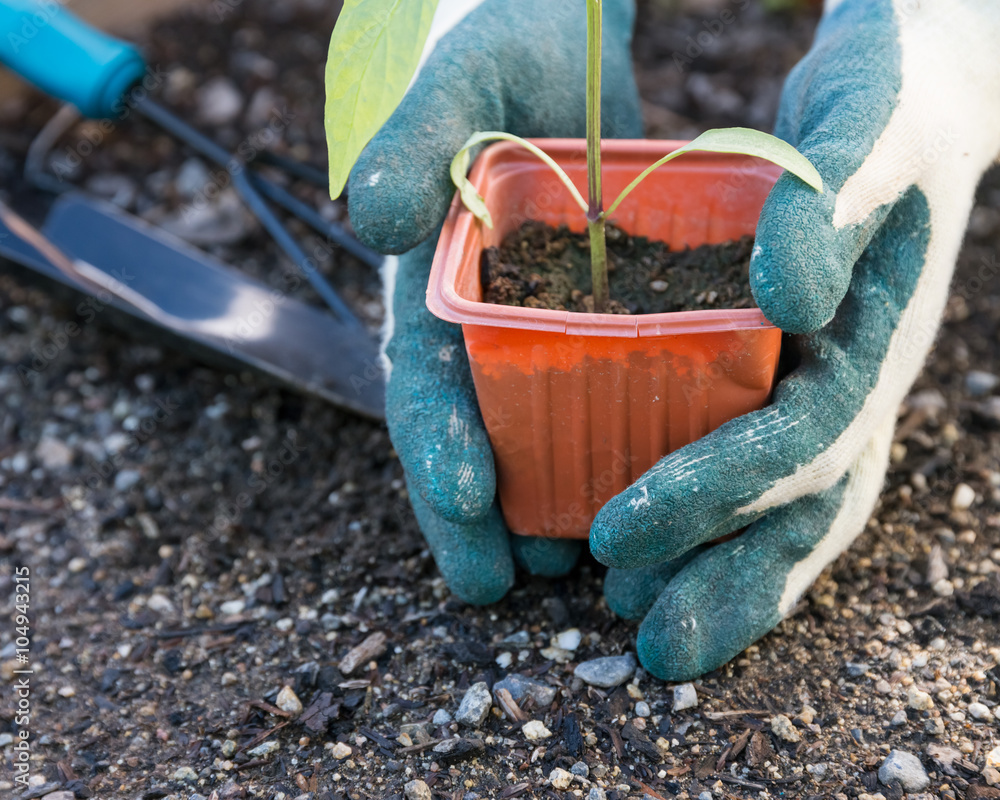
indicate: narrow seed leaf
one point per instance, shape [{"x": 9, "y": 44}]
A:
[
  {"x": 749, "y": 142},
  {"x": 374, "y": 53},
  {"x": 472, "y": 199},
  {"x": 744, "y": 141}
]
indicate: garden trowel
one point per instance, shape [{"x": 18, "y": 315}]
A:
[{"x": 128, "y": 266}]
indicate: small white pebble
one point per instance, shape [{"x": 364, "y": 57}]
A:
[
  {"x": 233, "y": 607},
  {"x": 685, "y": 696},
  {"x": 918, "y": 700},
  {"x": 560, "y": 778},
  {"x": 288, "y": 701},
  {"x": 783, "y": 729},
  {"x": 642, "y": 709},
  {"x": 568, "y": 639},
  {"x": 980, "y": 712},
  {"x": 340, "y": 751},
  {"x": 504, "y": 660},
  {"x": 160, "y": 603},
  {"x": 77, "y": 564},
  {"x": 963, "y": 497},
  {"x": 535, "y": 730}
]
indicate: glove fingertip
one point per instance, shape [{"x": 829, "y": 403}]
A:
[
  {"x": 618, "y": 535},
  {"x": 481, "y": 590},
  {"x": 632, "y": 592},
  {"x": 668, "y": 648},
  {"x": 475, "y": 560},
  {"x": 544, "y": 557},
  {"x": 461, "y": 498},
  {"x": 799, "y": 272},
  {"x": 392, "y": 206}
]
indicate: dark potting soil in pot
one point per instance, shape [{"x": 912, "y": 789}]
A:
[{"x": 539, "y": 266}]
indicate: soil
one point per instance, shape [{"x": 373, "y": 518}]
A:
[
  {"x": 540, "y": 266},
  {"x": 205, "y": 538}
]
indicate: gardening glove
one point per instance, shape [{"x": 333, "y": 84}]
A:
[
  {"x": 508, "y": 65},
  {"x": 898, "y": 106}
]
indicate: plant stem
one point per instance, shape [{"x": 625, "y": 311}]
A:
[
  {"x": 595, "y": 210},
  {"x": 598, "y": 264}
]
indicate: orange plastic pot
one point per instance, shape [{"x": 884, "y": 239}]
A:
[{"x": 578, "y": 406}]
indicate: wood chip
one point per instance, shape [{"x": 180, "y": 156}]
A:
[
  {"x": 509, "y": 706},
  {"x": 737, "y": 748},
  {"x": 320, "y": 712},
  {"x": 616, "y": 739},
  {"x": 717, "y": 715},
  {"x": 264, "y": 706},
  {"x": 369, "y": 649},
  {"x": 357, "y": 683},
  {"x": 759, "y": 750}
]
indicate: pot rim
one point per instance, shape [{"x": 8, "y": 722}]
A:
[{"x": 444, "y": 301}]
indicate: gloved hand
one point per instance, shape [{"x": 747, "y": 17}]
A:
[
  {"x": 510, "y": 65},
  {"x": 898, "y": 106}
]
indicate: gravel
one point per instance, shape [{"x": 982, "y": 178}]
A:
[
  {"x": 521, "y": 687},
  {"x": 288, "y": 701},
  {"x": 535, "y": 730},
  {"x": 340, "y": 751},
  {"x": 560, "y": 778},
  {"x": 417, "y": 790},
  {"x": 185, "y": 774},
  {"x": 607, "y": 672},
  {"x": 53, "y": 454},
  {"x": 783, "y": 728},
  {"x": 685, "y": 697},
  {"x": 963, "y": 498},
  {"x": 919, "y": 700},
  {"x": 978, "y": 383},
  {"x": 441, "y": 717},
  {"x": 267, "y": 749},
  {"x": 219, "y": 102},
  {"x": 905, "y": 768},
  {"x": 476, "y": 704},
  {"x": 568, "y": 639}
]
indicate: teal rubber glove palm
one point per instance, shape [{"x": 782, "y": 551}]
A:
[
  {"x": 898, "y": 106},
  {"x": 509, "y": 65}
]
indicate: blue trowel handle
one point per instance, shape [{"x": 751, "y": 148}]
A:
[{"x": 66, "y": 58}]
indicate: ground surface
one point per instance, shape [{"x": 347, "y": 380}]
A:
[{"x": 166, "y": 618}]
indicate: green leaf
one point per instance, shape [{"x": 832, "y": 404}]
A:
[
  {"x": 749, "y": 142},
  {"x": 472, "y": 199},
  {"x": 374, "y": 53},
  {"x": 744, "y": 141}
]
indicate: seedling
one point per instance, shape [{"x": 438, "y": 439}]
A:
[{"x": 374, "y": 53}]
